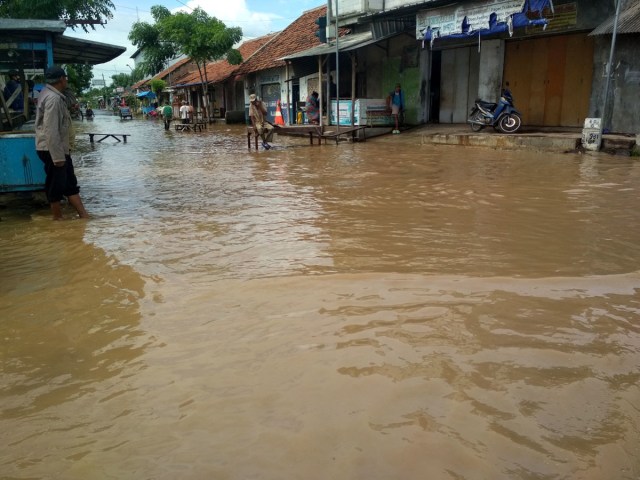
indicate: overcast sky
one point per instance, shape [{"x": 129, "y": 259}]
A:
[{"x": 255, "y": 17}]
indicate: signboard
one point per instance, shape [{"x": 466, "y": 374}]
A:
[{"x": 448, "y": 21}]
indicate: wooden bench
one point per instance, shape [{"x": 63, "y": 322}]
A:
[
  {"x": 190, "y": 127},
  {"x": 107, "y": 135},
  {"x": 256, "y": 137}
]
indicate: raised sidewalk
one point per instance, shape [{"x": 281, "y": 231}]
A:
[{"x": 536, "y": 138}]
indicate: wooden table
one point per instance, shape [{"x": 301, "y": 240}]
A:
[
  {"x": 190, "y": 127},
  {"x": 338, "y": 132},
  {"x": 107, "y": 135}
]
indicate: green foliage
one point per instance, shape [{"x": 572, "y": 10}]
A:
[
  {"x": 157, "y": 86},
  {"x": 79, "y": 77},
  {"x": 121, "y": 80},
  {"x": 197, "y": 35},
  {"x": 157, "y": 51},
  {"x": 137, "y": 74},
  {"x": 68, "y": 10},
  {"x": 234, "y": 57}
]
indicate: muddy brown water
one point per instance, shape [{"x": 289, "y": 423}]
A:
[{"x": 381, "y": 310}]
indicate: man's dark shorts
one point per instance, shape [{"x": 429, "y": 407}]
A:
[{"x": 60, "y": 181}]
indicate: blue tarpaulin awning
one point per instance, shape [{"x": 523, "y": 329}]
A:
[
  {"x": 148, "y": 94},
  {"x": 478, "y": 20}
]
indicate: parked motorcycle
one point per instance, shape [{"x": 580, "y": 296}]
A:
[{"x": 502, "y": 115}]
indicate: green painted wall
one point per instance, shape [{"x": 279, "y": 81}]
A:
[{"x": 409, "y": 78}]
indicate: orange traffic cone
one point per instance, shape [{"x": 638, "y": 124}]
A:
[{"x": 279, "y": 120}]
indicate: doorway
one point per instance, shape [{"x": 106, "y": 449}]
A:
[{"x": 434, "y": 87}]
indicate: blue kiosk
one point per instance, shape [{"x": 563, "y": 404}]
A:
[{"x": 29, "y": 47}]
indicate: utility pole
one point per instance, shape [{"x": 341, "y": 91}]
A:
[
  {"x": 609, "y": 67},
  {"x": 337, "y": 73},
  {"x": 104, "y": 91}
]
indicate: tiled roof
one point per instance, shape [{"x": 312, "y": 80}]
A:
[
  {"x": 167, "y": 71},
  {"x": 258, "y": 54},
  {"x": 163, "y": 75},
  {"x": 628, "y": 22},
  {"x": 139, "y": 84},
  {"x": 298, "y": 36},
  {"x": 219, "y": 71}
]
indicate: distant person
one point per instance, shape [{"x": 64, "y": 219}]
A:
[
  {"x": 190, "y": 111},
  {"x": 312, "y": 108},
  {"x": 12, "y": 86},
  {"x": 167, "y": 115},
  {"x": 395, "y": 102},
  {"x": 258, "y": 116},
  {"x": 184, "y": 113},
  {"x": 53, "y": 124},
  {"x": 89, "y": 112}
]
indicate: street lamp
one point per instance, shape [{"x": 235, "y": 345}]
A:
[{"x": 129, "y": 67}]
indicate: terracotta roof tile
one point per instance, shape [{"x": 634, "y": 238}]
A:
[
  {"x": 139, "y": 84},
  {"x": 219, "y": 71},
  {"x": 258, "y": 54},
  {"x": 298, "y": 36},
  {"x": 184, "y": 63}
]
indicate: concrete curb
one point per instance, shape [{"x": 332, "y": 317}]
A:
[{"x": 490, "y": 140}]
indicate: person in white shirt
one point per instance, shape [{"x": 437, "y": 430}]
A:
[{"x": 184, "y": 113}]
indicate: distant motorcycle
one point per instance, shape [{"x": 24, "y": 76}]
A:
[{"x": 502, "y": 115}]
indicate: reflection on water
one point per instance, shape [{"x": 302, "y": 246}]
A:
[{"x": 378, "y": 310}]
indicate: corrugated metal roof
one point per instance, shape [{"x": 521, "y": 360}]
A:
[
  {"x": 628, "y": 22},
  {"x": 347, "y": 42},
  {"x": 18, "y": 34}
]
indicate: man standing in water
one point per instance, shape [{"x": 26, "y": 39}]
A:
[
  {"x": 53, "y": 129},
  {"x": 167, "y": 114},
  {"x": 257, "y": 115}
]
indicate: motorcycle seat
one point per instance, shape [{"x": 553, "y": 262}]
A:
[{"x": 485, "y": 104}]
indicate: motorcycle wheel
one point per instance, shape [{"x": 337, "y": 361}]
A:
[
  {"x": 476, "y": 116},
  {"x": 510, "y": 123}
]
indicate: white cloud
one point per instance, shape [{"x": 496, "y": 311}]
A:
[{"x": 234, "y": 13}]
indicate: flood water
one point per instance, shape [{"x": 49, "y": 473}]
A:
[{"x": 378, "y": 310}]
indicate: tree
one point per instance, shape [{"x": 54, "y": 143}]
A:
[
  {"x": 157, "y": 86},
  {"x": 121, "y": 80},
  {"x": 83, "y": 13},
  {"x": 145, "y": 36},
  {"x": 137, "y": 74},
  {"x": 197, "y": 35},
  {"x": 79, "y": 77}
]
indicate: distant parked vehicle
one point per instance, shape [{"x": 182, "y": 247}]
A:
[{"x": 125, "y": 112}]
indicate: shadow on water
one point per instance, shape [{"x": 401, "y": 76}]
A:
[{"x": 70, "y": 333}]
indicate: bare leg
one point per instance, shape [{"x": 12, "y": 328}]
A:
[
  {"x": 76, "y": 202},
  {"x": 56, "y": 210}
]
